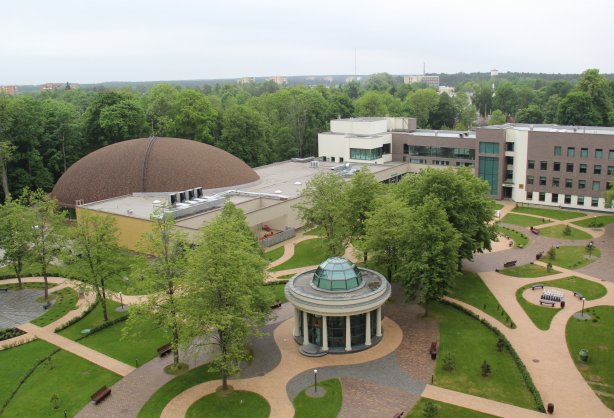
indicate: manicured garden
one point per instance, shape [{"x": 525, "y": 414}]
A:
[
  {"x": 540, "y": 315},
  {"x": 557, "y": 214},
  {"x": 306, "y": 253},
  {"x": 520, "y": 239},
  {"x": 564, "y": 232},
  {"x": 470, "y": 288},
  {"x": 572, "y": 256},
  {"x": 595, "y": 221},
  {"x": 445, "y": 410},
  {"x": 465, "y": 343},
  {"x": 328, "y": 406},
  {"x": 276, "y": 291},
  {"x": 234, "y": 404},
  {"x": 596, "y": 336},
  {"x": 274, "y": 254},
  {"x": 65, "y": 301},
  {"x": 589, "y": 289},
  {"x": 528, "y": 271},
  {"x": 521, "y": 220},
  {"x": 92, "y": 320}
]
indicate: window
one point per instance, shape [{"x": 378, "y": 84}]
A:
[
  {"x": 364, "y": 154},
  {"x": 531, "y": 164},
  {"x": 581, "y": 184},
  {"x": 567, "y": 199},
  {"x": 584, "y": 152},
  {"x": 529, "y": 195},
  {"x": 555, "y": 182},
  {"x": 542, "y": 196},
  {"x": 571, "y": 152},
  {"x": 441, "y": 162},
  {"x": 529, "y": 179},
  {"x": 581, "y": 200},
  {"x": 595, "y": 202},
  {"x": 340, "y": 159},
  {"x": 583, "y": 168},
  {"x": 555, "y": 198},
  {"x": 332, "y": 159},
  {"x": 611, "y": 154},
  {"x": 405, "y": 148},
  {"x": 417, "y": 161},
  {"x": 569, "y": 168},
  {"x": 509, "y": 146},
  {"x": 557, "y": 151},
  {"x": 385, "y": 148},
  {"x": 542, "y": 181},
  {"x": 596, "y": 186},
  {"x": 489, "y": 148},
  {"x": 568, "y": 183},
  {"x": 324, "y": 159},
  {"x": 597, "y": 169},
  {"x": 610, "y": 170},
  {"x": 488, "y": 169},
  {"x": 543, "y": 165},
  {"x": 598, "y": 153},
  {"x": 556, "y": 166}
]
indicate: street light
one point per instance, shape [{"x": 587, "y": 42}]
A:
[
  {"x": 583, "y": 299},
  {"x": 315, "y": 379}
]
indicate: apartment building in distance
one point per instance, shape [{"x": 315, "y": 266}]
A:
[
  {"x": 8, "y": 90},
  {"x": 550, "y": 165},
  {"x": 429, "y": 80}
]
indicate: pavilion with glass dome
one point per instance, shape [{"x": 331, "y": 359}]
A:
[{"x": 337, "y": 307}]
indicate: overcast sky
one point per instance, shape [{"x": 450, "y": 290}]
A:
[{"x": 88, "y": 41}]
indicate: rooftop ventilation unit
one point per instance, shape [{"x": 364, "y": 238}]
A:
[
  {"x": 183, "y": 196},
  {"x": 191, "y": 194},
  {"x": 199, "y": 192},
  {"x": 173, "y": 199}
]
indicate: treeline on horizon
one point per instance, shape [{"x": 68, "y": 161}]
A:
[{"x": 42, "y": 134}]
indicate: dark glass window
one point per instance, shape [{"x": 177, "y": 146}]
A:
[
  {"x": 509, "y": 146},
  {"x": 567, "y": 199},
  {"x": 531, "y": 164},
  {"x": 542, "y": 181},
  {"x": 583, "y": 168},
  {"x": 584, "y": 152},
  {"x": 542, "y": 196},
  {"x": 543, "y": 165},
  {"x": 555, "y": 198},
  {"x": 529, "y": 195},
  {"x": 557, "y": 151},
  {"x": 556, "y": 166},
  {"x": 489, "y": 148},
  {"x": 598, "y": 153},
  {"x": 569, "y": 168},
  {"x": 581, "y": 200},
  {"x": 489, "y": 171},
  {"x": 595, "y": 202},
  {"x": 597, "y": 169},
  {"x": 611, "y": 154},
  {"x": 555, "y": 181},
  {"x": 568, "y": 183},
  {"x": 529, "y": 179},
  {"x": 581, "y": 184},
  {"x": 571, "y": 152}
]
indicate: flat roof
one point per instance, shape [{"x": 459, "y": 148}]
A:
[
  {"x": 594, "y": 130},
  {"x": 442, "y": 134}
]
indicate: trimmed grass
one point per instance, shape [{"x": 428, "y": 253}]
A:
[
  {"x": 558, "y": 214},
  {"x": 519, "y": 238},
  {"x": 306, "y": 253},
  {"x": 557, "y": 231},
  {"x": 520, "y": 220},
  {"x": 154, "y": 406},
  {"x": 597, "y": 337},
  {"x": 236, "y": 404},
  {"x": 498, "y": 206},
  {"x": 590, "y": 222},
  {"x": 65, "y": 301},
  {"x": 92, "y": 320},
  {"x": 471, "y": 289},
  {"x": 572, "y": 257},
  {"x": 274, "y": 254},
  {"x": 327, "y": 406},
  {"x": 276, "y": 291},
  {"x": 445, "y": 410},
  {"x": 528, "y": 271},
  {"x": 318, "y": 231},
  {"x": 540, "y": 315},
  {"x": 471, "y": 342},
  {"x": 590, "y": 290},
  {"x": 72, "y": 379}
]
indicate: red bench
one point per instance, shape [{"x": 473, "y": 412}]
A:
[
  {"x": 433, "y": 350},
  {"x": 100, "y": 395}
]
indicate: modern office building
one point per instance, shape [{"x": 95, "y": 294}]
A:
[{"x": 429, "y": 80}]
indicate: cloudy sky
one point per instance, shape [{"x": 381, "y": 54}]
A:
[{"x": 89, "y": 41}]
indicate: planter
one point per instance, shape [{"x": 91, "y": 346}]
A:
[{"x": 584, "y": 355}]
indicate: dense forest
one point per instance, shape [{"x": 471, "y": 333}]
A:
[{"x": 42, "y": 134}]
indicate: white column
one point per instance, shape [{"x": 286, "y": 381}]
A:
[
  {"x": 305, "y": 330},
  {"x": 324, "y": 333},
  {"x": 348, "y": 334},
  {"x": 368, "y": 330},
  {"x": 297, "y": 322},
  {"x": 378, "y": 330}
]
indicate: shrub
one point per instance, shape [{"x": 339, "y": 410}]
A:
[
  {"x": 500, "y": 344},
  {"x": 8, "y": 333},
  {"x": 449, "y": 362},
  {"x": 567, "y": 230},
  {"x": 485, "y": 369},
  {"x": 552, "y": 255},
  {"x": 430, "y": 410}
]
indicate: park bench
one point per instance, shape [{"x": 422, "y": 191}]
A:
[
  {"x": 433, "y": 350},
  {"x": 537, "y": 286},
  {"x": 4, "y": 289},
  {"x": 510, "y": 263},
  {"x": 578, "y": 295},
  {"x": 164, "y": 350},
  {"x": 276, "y": 305},
  {"x": 398, "y": 414},
  {"x": 100, "y": 394},
  {"x": 545, "y": 302},
  {"x": 535, "y": 231},
  {"x": 539, "y": 255},
  {"x": 47, "y": 305}
]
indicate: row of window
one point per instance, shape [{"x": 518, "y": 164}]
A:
[
  {"x": 438, "y": 162},
  {"x": 569, "y": 167},
  {"x": 556, "y": 182},
  {"x": 554, "y": 198},
  {"x": 571, "y": 152},
  {"x": 445, "y": 152},
  {"x": 366, "y": 154},
  {"x": 489, "y": 148}
]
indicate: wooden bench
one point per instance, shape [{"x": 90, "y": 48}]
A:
[
  {"x": 276, "y": 305},
  {"x": 100, "y": 394},
  {"x": 164, "y": 350},
  {"x": 398, "y": 414},
  {"x": 578, "y": 295},
  {"x": 537, "y": 286},
  {"x": 510, "y": 263},
  {"x": 4, "y": 289},
  {"x": 545, "y": 302},
  {"x": 535, "y": 231},
  {"x": 433, "y": 350},
  {"x": 47, "y": 305},
  {"x": 539, "y": 255}
]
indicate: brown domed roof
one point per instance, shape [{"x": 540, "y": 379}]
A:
[{"x": 150, "y": 165}]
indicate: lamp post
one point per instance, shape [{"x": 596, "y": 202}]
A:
[
  {"x": 315, "y": 379},
  {"x": 590, "y": 249},
  {"x": 583, "y": 299},
  {"x": 121, "y": 300}
]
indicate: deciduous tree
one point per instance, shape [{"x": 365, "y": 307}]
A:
[{"x": 16, "y": 235}]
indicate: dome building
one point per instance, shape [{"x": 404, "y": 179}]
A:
[{"x": 337, "y": 307}]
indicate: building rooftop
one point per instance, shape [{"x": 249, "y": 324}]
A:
[
  {"x": 443, "y": 134},
  {"x": 302, "y": 284},
  {"x": 594, "y": 130}
]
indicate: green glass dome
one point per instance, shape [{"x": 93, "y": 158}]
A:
[{"x": 337, "y": 274}]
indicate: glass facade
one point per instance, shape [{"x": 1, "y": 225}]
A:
[
  {"x": 335, "y": 329},
  {"x": 337, "y": 274},
  {"x": 445, "y": 152},
  {"x": 489, "y": 171},
  {"x": 489, "y": 148},
  {"x": 366, "y": 154}
]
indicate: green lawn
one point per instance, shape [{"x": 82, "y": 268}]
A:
[
  {"x": 498, "y": 206},
  {"x": 92, "y": 320},
  {"x": 154, "y": 406},
  {"x": 557, "y": 231},
  {"x": 72, "y": 379},
  {"x": 274, "y": 254},
  {"x": 540, "y": 315},
  {"x": 590, "y": 290},
  {"x": 65, "y": 301},
  {"x": 327, "y": 406},
  {"x": 306, "y": 253},
  {"x": 319, "y": 231},
  {"x": 572, "y": 257},
  {"x": 16, "y": 361},
  {"x": 471, "y": 289},
  {"x": 236, "y": 404},
  {"x": 520, "y": 239},
  {"x": 598, "y": 338},
  {"x": 277, "y": 291},
  {"x": 471, "y": 343},
  {"x": 520, "y": 220},
  {"x": 595, "y": 221},
  {"x": 527, "y": 270},
  {"x": 558, "y": 214},
  {"x": 445, "y": 410}
]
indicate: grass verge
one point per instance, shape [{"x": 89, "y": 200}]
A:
[
  {"x": 92, "y": 320},
  {"x": 589, "y": 289},
  {"x": 274, "y": 254},
  {"x": 65, "y": 301},
  {"x": 572, "y": 256},
  {"x": 521, "y": 220},
  {"x": 558, "y": 214},
  {"x": 327, "y": 406},
  {"x": 306, "y": 253},
  {"x": 558, "y": 231},
  {"x": 540, "y": 315},
  {"x": 520, "y": 239},
  {"x": 595, "y": 221},
  {"x": 527, "y": 271},
  {"x": 445, "y": 410},
  {"x": 235, "y": 404}
]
